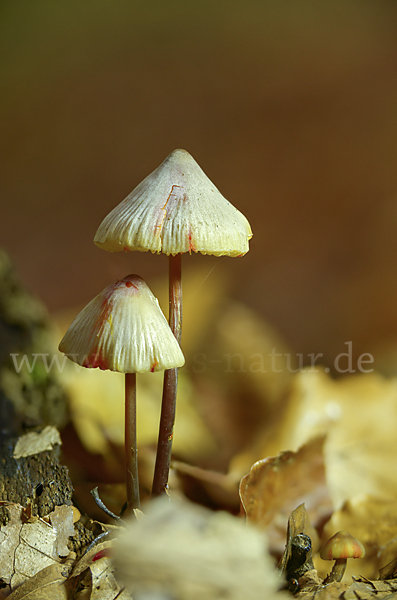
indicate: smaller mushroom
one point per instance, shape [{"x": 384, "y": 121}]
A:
[
  {"x": 123, "y": 329},
  {"x": 340, "y": 547}
]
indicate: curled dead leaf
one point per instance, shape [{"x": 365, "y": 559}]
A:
[{"x": 275, "y": 485}]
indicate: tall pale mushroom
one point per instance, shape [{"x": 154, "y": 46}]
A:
[
  {"x": 176, "y": 209},
  {"x": 123, "y": 329}
]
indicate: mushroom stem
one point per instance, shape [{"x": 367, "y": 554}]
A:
[
  {"x": 338, "y": 570},
  {"x": 175, "y": 296},
  {"x": 131, "y": 452},
  {"x": 167, "y": 419}
]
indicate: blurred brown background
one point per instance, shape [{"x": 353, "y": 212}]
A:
[{"x": 289, "y": 107}]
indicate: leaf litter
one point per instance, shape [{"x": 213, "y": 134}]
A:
[
  {"x": 30, "y": 544},
  {"x": 311, "y": 440}
]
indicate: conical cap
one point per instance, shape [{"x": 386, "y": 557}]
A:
[
  {"x": 175, "y": 209},
  {"x": 123, "y": 329}
]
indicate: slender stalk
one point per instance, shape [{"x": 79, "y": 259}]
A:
[
  {"x": 131, "y": 452},
  {"x": 167, "y": 419},
  {"x": 337, "y": 572}
]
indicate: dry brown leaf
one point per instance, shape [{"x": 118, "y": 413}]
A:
[
  {"x": 28, "y": 546},
  {"x": 104, "y": 584},
  {"x": 275, "y": 485},
  {"x": 381, "y": 588},
  {"x": 357, "y": 414},
  {"x": 85, "y": 561},
  {"x": 360, "y": 589},
  {"x": 298, "y": 522},
  {"x": 48, "y": 584},
  {"x": 332, "y": 591},
  {"x": 33, "y": 442},
  {"x": 9, "y": 542},
  {"x": 62, "y": 522}
]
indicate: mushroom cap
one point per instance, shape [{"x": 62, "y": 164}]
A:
[
  {"x": 342, "y": 545},
  {"x": 123, "y": 329},
  {"x": 175, "y": 209}
]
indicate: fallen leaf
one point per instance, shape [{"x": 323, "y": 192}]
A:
[
  {"x": 35, "y": 551},
  {"x": 34, "y": 443},
  {"x": 104, "y": 584},
  {"x": 86, "y": 560},
  {"x": 298, "y": 522},
  {"x": 357, "y": 414},
  {"x": 333, "y": 591},
  {"x": 48, "y": 584},
  {"x": 9, "y": 542},
  {"x": 360, "y": 589},
  {"x": 275, "y": 485},
  {"x": 62, "y": 522},
  {"x": 379, "y": 587},
  {"x": 29, "y": 546}
]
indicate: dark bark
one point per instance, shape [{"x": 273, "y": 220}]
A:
[{"x": 29, "y": 400}]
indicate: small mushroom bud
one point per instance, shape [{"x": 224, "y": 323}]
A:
[{"x": 340, "y": 547}]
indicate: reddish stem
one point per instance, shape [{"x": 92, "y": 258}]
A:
[
  {"x": 131, "y": 452},
  {"x": 167, "y": 419}
]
